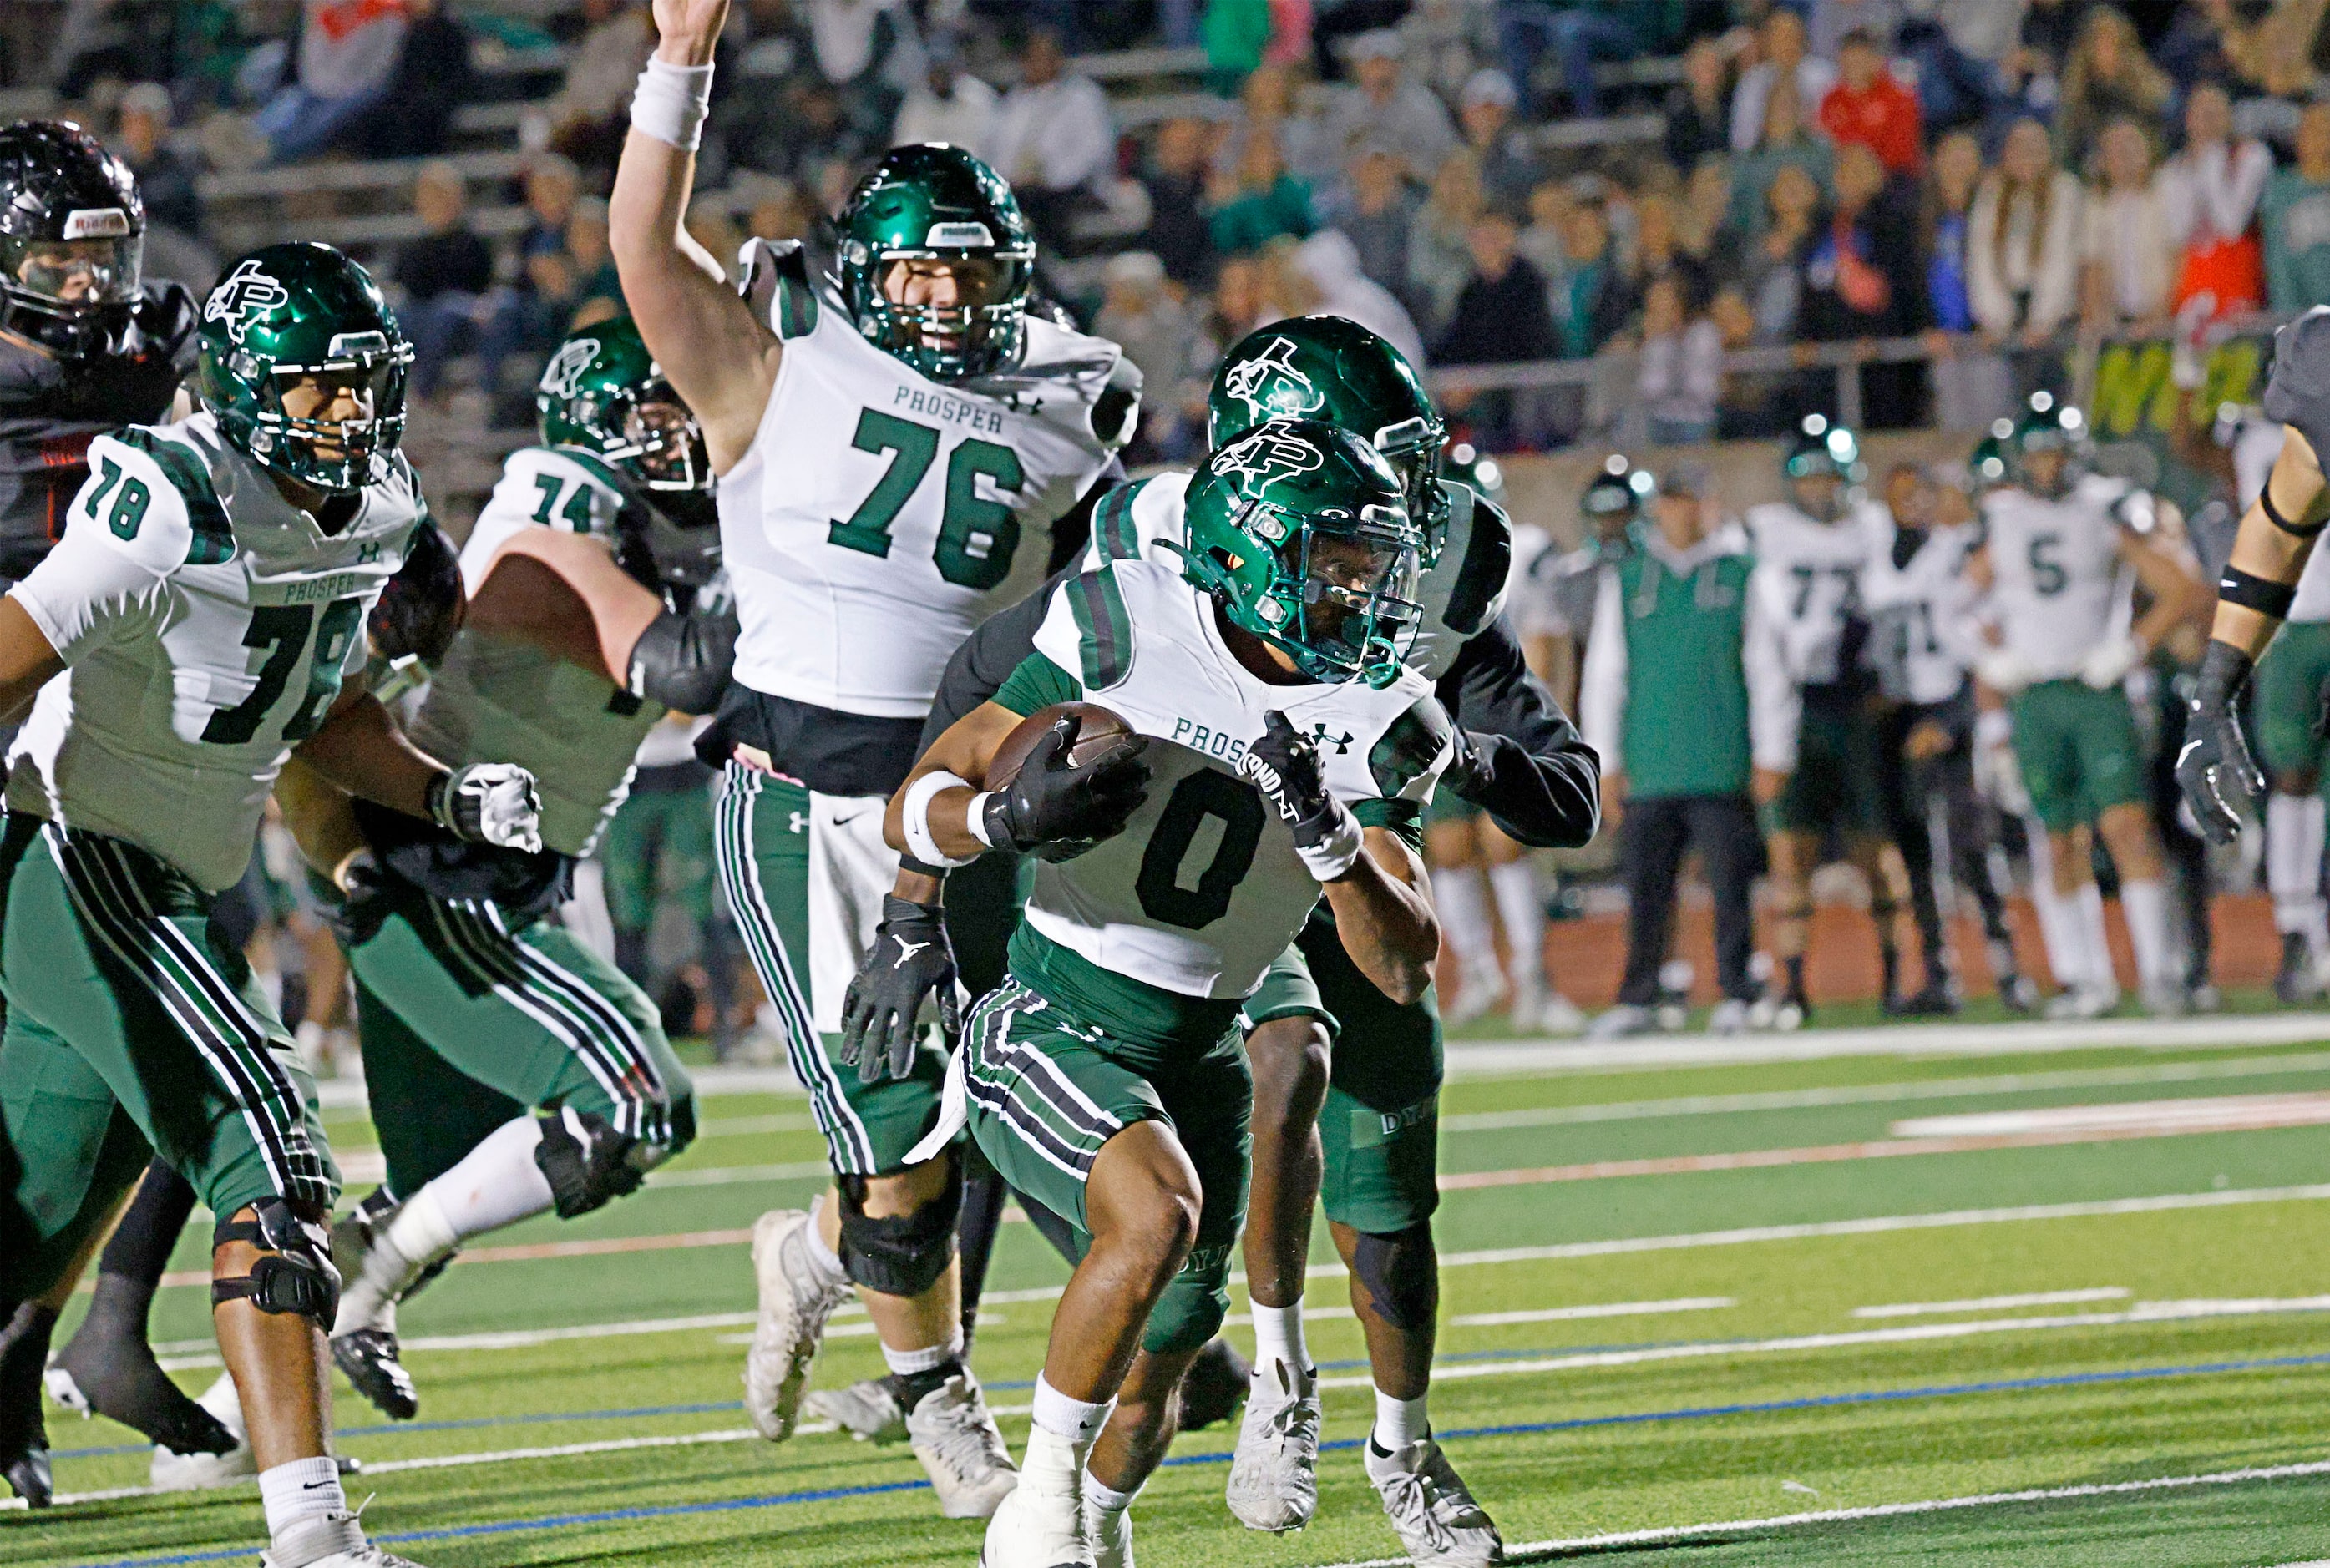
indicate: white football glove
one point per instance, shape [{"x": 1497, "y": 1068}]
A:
[
  {"x": 2107, "y": 665},
  {"x": 2004, "y": 671},
  {"x": 491, "y": 803}
]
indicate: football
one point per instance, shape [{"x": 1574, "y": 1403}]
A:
[{"x": 1098, "y": 730}]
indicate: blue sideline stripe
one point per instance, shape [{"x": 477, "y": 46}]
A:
[{"x": 1690, "y": 1412}]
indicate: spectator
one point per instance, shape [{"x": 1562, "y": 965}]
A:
[
  {"x": 1053, "y": 139},
  {"x": 948, "y": 105},
  {"x": 1330, "y": 266},
  {"x": 598, "y": 290},
  {"x": 1781, "y": 41},
  {"x": 1501, "y": 312},
  {"x": 1178, "y": 234},
  {"x": 1376, "y": 210},
  {"x": 1259, "y": 202},
  {"x": 164, "y": 179},
  {"x": 347, "y": 51},
  {"x": 1956, "y": 84},
  {"x": 1267, "y": 104},
  {"x": 1508, "y": 167},
  {"x": 1681, "y": 370},
  {"x": 2128, "y": 249},
  {"x": 2296, "y": 215},
  {"x": 1659, "y": 252},
  {"x": 1579, "y": 34},
  {"x": 1440, "y": 243},
  {"x": 1785, "y": 141},
  {"x": 534, "y": 314},
  {"x": 1869, "y": 109},
  {"x": 592, "y": 112},
  {"x": 2212, "y": 190},
  {"x": 2106, "y": 76},
  {"x": 1447, "y": 42},
  {"x": 1706, "y": 204},
  {"x": 1155, "y": 330},
  {"x": 1698, "y": 110},
  {"x": 414, "y": 117},
  {"x": 1971, "y": 384},
  {"x": 1829, "y": 22},
  {"x": 1591, "y": 305},
  {"x": 445, "y": 275},
  {"x": 1379, "y": 106},
  {"x": 1771, "y": 276},
  {"x": 2202, "y": 42},
  {"x": 1234, "y": 32},
  {"x": 2048, "y": 35},
  {"x": 2023, "y": 241},
  {"x": 1540, "y": 241},
  {"x": 1864, "y": 280},
  {"x": 1235, "y": 309}
]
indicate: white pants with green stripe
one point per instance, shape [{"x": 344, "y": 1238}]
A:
[{"x": 805, "y": 875}]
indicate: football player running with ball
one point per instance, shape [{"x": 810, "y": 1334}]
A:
[
  {"x": 895, "y": 435},
  {"x": 1105, "y": 1079},
  {"x": 198, "y": 624}
]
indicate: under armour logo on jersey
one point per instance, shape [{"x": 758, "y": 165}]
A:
[
  {"x": 800, "y": 823},
  {"x": 563, "y": 375},
  {"x": 1266, "y": 454},
  {"x": 367, "y": 553},
  {"x": 1270, "y": 387},
  {"x": 243, "y": 297},
  {"x": 1319, "y": 737}
]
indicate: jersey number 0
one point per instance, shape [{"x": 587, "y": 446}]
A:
[{"x": 977, "y": 535}]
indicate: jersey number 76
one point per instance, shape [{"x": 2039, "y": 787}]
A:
[{"x": 977, "y": 535}]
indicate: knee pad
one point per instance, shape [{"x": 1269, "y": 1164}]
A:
[
  {"x": 586, "y": 1162},
  {"x": 1403, "y": 1290},
  {"x": 294, "y": 1273},
  {"x": 905, "y": 1255}
]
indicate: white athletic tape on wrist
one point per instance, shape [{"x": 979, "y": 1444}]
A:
[
  {"x": 670, "y": 101},
  {"x": 1341, "y": 850},
  {"x": 917, "y": 815},
  {"x": 974, "y": 816}
]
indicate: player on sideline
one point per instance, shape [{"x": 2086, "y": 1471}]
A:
[
  {"x": 87, "y": 346},
  {"x": 1263, "y": 679},
  {"x": 228, "y": 563},
  {"x": 894, "y": 434}
]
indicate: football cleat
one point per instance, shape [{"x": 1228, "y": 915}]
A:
[
  {"x": 1439, "y": 1522},
  {"x": 1728, "y": 1017},
  {"x": 2166, "y": 1000},
  {"x": 1040, "y": 1522},
  {"x": 1938, "y": 999},
  {"x": 957, "y": 1440},
  {"x": 1621, "y": 1022},
  {"x": 23, "y": 1434},
  {"x": 176, "y": 1472},
  {"x": 795, "y": 1305},
  {"x": 368, "y": 1358},
  {"x": 328, "y": 1541},
  {"x": 1274, "y": 1483},
  {"x": 868, "y": 1411},
  {"x": 2084, "y": 1001},
  {"x": 1212, "y": 1387}
]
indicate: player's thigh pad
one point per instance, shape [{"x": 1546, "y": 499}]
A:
[
  {"x": 1379, "y": 1128},
  {"x": 1287, "y": 991},
  {"x": 2289, "y": 682},
  {"x": 108, "y": 949},
  {"x": 772, "y": 858},
  {"x": 429, "y": 1114},
  {"x": 2046, "y": 750},
  {"x": 68, "y": 1151},
  {"x": 531, "y": 1014},
  {"x": 2110, "y": 754}
]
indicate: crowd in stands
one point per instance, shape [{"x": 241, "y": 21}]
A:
[{"x": 1659, "y": 182}]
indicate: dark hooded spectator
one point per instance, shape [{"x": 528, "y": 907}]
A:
[
  {"x": 1698, "y": 110},
  {"x": 1501, "y": 312},
  {"x": 414, "y": 118},
  {"x": 445, "y": 276},
  {"x": 1179, "y": 234},
  {"x": 1863, "y": 280}
]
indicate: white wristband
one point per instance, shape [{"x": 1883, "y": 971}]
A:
[
  {"x": 670, "y": 101},
  {"x": 917, "y": 815},
  {"x": 1333, "y": 860},
  {"x": 974, "y": 816}
]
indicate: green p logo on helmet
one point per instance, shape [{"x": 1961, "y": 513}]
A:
[
  {"x": 290, "y": 333},
  {"x": 1328, "y": 368},
  {"x": 935, "y": 203},
  {"x": 603, "y": 393},
  {"x": 1300, "y": 529}
]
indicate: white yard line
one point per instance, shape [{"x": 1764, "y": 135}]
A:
[
  {"x": 1995, "y": 1303},
  {"x": 1899, "y": 1510},
  {"x": 1599, "y": 1309},
  {"x": 2199, "y": 1113}
]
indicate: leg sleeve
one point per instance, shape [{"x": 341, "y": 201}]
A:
[
  {"x": 1650, "y": 848},
  {"x": 429, "y": 1114}
]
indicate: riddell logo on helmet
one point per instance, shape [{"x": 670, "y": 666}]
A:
[
  {"x": 243, "y": 297},
  {"x": 1269, "y": 384},
  {"x": 97, "y": 223}
]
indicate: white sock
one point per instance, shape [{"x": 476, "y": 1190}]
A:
[
  {"x": 1278, "y": 1336},
  {"x": 497, "y": 1184},
  {"x": 907, "y": 1362},
  {"x": 1458, "y": 898},
  {"x": 1399, "y": 1421},
  {"x": 2088, "y": 914},
  {"x": 1521, "y": 908},
  {"x": 2066, "y": 954},
  {"x": 300, "y": 1489},
  {"x": 2294, "y": 827},
  {"x": 1107, "y": 1499},
  {"x": 2145, "y": 905},
  {"x": 1075, "y": 1420}
]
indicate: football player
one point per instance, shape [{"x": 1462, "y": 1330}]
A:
[
  {"x": 894, "y": 433},
  {"x": 2063, "y": 552},
  {"x": 1281, "y": 749},
  {"x": 201, "y": 620},
  {"x": 87, "y": 346}
]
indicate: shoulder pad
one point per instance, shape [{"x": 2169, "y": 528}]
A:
[
  {"x": 1104, "y": 629},
  {"x": 150, "y": 498},
  {"x": 1404, "y": 754},
  {"x": 558, "y": 487},
  {"x": 2298, "y": 392},
  {"x": 1116, "y": 413},
  {"x": 1487, "y": 563},
  {"x": 1115, "y": 533},
  {"x": 779, "y": 287}
]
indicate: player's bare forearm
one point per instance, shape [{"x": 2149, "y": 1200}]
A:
[
  {"x": 593, "y": 623},
  {"x": 360, "y": 749},
  {"x": 2264, "y": 550},
  {"x": 1386, "y": 919},
  {"x": 27, "y": 661},
  {"x": 2178, "y": 595},
  {"x": 917, "y": 886},
  {"x": 318, "y": 813},
  {"x": 969, "y": 745}
]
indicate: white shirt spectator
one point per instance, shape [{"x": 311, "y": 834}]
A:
[
  {"x": 1054, "y": 138},
  {"x": 1331, "y": 262},
  {"x": 1814, "y": 76},
  {"x": 2128, "y": 236},
  {"x": 2031, "y": 283},
  {"x": 966, "y": 116},
  {"x": 841, "y": 33},
  {"x": 1682, "y": 375},
  {"x": 350, "y": 46},
  {"x": 2210, "y": 193}
]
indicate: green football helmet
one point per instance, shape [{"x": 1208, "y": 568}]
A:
[
  {"x": 1820, "y": 447},
  {"x": 1987, "y": 461},
  {"x": 1616, "y": 495},
  {"x": 934, "y": 202},
  {"x": 298, "y": 320},
  {"x": 602, "y": 392},
  {"x": 2049, "y": 424},
  {"x": 1324, "y": 367},
  {"x": 1298, "y": 528}
]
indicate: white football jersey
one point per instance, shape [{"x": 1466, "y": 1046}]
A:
[
  {"x": 206, "y": 625},
  {"x": 2060, "y": 588},
  {"x": 1461, "y": 593},
  {"x": 1914, "y": 611},
  {"x": 880, "y": 515},
  {"x": 1807, "y": 579},
  {"x": 498, "y": 700},
  {"x": 1203, "y": 888}
]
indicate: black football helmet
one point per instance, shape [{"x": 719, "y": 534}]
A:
[{"x": 72, "y": 237}]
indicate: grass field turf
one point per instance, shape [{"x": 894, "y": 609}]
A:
[{"x": 2195, "y": 1343}]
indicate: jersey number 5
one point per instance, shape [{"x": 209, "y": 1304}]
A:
[
  {"x": 282, "y": 630},
  {"x": 977, "y": 535}
]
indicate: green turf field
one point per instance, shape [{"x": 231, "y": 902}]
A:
[{"x": 2101, "y": 1341}]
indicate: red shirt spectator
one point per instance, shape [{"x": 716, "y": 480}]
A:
[{"x": 1867, "y": 108}]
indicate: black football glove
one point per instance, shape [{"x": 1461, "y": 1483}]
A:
[
  {"x": 1055, "y": 804},
  {"x": 1283, "y": 764},
  {"x": 1469, "y": 770},
  {"x": 909, "y": 958},
  {"x": 2215, "y": 751}
]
